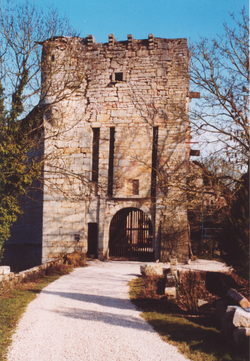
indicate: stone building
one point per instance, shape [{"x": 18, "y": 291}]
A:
[{"x": 116, "y": 150}]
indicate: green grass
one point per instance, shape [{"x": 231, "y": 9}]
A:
[
  {"x": 197, "y": 338},
  {"x": 13, "y": 303}
]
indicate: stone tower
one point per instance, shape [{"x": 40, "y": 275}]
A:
[{"x": 116, "y": 148}]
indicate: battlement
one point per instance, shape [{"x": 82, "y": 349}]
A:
[
  {"x": 131, "y": 47},
  {"x": 151, "y": 43}
]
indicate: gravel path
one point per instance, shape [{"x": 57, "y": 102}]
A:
[{"x": 87, "y": 316}]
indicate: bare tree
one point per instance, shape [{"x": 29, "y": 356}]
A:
[
  {"x": 23, "y": 28},
  {"x": 219, "y": 69}
]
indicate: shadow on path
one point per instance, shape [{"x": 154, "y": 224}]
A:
[
  {"x": 106, "y": 317},
  {"x": 106, "y": 301}
]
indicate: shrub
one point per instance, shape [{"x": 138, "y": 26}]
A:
[
  {"x": 75, "y": 259},
  {"x": 190, "y": 290}
]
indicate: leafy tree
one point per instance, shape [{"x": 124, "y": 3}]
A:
[{"x": 22, "y": 28}]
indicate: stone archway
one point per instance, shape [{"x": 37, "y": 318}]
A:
[{"x": 131, "y": 235}]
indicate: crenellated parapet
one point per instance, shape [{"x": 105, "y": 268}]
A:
[{"x": 131, "y": 47}]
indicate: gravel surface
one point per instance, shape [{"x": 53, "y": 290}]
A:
[
  {"x": 205, "y": 265},
  {"x": 88, "y": 316}
]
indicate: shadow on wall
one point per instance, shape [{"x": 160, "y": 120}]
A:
[{"x": 22, "y": 256}]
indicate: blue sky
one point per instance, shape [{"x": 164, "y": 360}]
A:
[{"x": 163, "y": 18}]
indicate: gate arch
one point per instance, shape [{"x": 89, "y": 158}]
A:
[{"x": 131, "y": 235}]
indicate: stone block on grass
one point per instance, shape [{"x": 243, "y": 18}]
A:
[
  {"x": 241, "y": 318},
  {"x": 152, "y": 269},
  {"x": 170, "y": 292},
  {"x": 4, "y": 270},
  {"x": 241, "y": 336}
]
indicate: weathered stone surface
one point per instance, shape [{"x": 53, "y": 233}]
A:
[
  {"x": 155, "y": 269},
  {"x": 170, "y": 280},
  {"x": 12, "y": 277},
  {"x": 241, "y": 336},
  {"x": 4, "y": 270},
  {"x": 170, "y": 292},
  {"x": 201, "y": 302},
  {"x": 125, "y": 86},
  {"x": 241, "y": 318},
  {"x": 230, "y": 311}
]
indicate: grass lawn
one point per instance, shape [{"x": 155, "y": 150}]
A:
[
  {"x": 13, "y": 303},
  {"x": 196, "y": 336}
]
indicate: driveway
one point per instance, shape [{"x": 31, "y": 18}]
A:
[{"x": 87, "y": 315}]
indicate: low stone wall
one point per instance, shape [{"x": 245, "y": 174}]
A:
[{"x": 11, "y": 277}]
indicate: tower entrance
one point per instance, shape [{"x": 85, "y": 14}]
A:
[{"x": 131, "y": 236}]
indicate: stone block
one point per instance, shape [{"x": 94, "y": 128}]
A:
[
  {"x": 130, "y": 54},
  {"x": 4, "y": 270},
  {"x": 170, "y": 292},
  {"x": 166, "y": 57},
  {"x": 241, "y": 318},
  {"x": 114, "y": 65},
  {"x": 161, "y": 72},
  {"x": 170, "y": 280},
  {"x": 111, "y": 99},
  {"x": 241, "y": 336},
  {"x": 103, "y": 117},
  {"x": 142, "y": 53},
  {"x": 201, "y": 302},
  {"x": 118, "y": 113},
  {"x": 155, "y": 269},
  {"x": 230, "y": 311}
]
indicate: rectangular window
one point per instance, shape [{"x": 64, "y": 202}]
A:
[
  {"x": 92, "y": 239},
  {"x": 119, "y": 77},
  {"x": 132, "y": 187},
  {"x": 154, "y": 162},
  {"x": 135, "y": 186},
  {"x": 111, "y": 161},
  {"x": 95, "y": 154}
]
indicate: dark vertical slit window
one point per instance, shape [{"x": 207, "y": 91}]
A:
[
  {"x": 95, "y": 157},
  {"x": 111, "y": 161},
  {"x": 135, "y": 186},
  {"x": 92, "y": 238},
  {"x": 154, "y": 162}
]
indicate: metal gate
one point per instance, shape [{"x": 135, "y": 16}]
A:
[{"x": 131, "y": 236}]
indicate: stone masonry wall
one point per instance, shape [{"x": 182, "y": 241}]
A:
[{"x": 132, "y": 86}]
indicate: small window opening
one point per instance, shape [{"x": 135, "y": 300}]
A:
[
  {"x": 154, "y": 162},
  {"x": 77, "y": 237},
  {"x": 111, "y": 161},
  {"x": 135, "y": 186},
  {"x": 95, "y": 154},
  {"x": 52, "y": 57},
  {"x": 119, "y": 77}
]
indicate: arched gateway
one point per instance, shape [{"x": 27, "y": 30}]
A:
[{"x": 131, "y": 235}]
